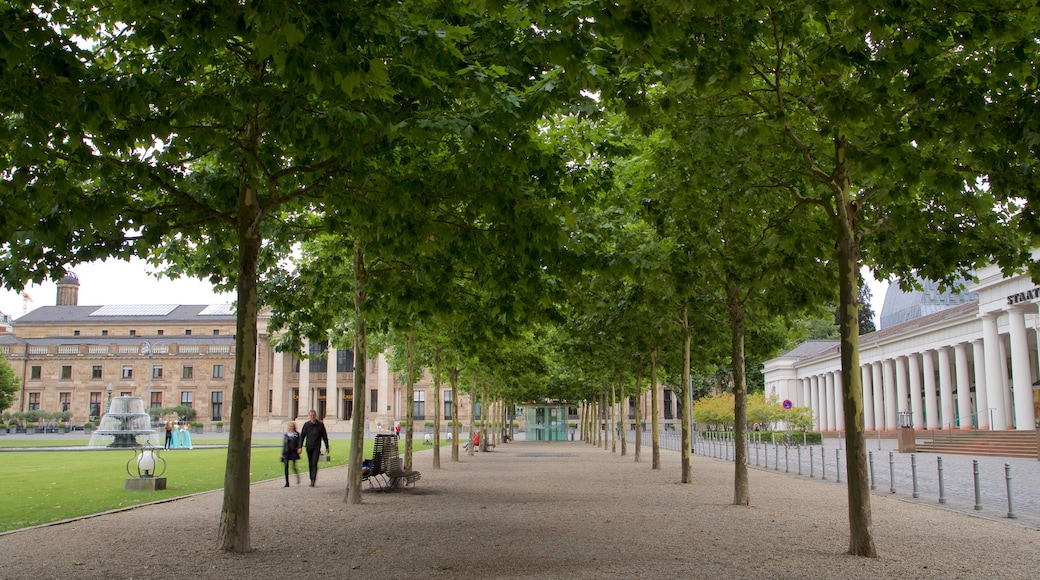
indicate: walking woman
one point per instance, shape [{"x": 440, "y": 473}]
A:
[{"x": 291, "y": 451}]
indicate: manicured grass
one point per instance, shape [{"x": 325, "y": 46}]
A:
[
  {"x": 82, "y": 442},
  {"x": 48, "y": 486},
  {"x": 10, "y": 442}
]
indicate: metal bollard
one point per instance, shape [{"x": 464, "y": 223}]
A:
[
  {"x": 837, "y": 464},
  {"x": 756, "y": 452},
  {"x": 870, "y": 460},
  {"x": 787, "y": 460},
  {"x": 823, "y": 465},
  {"x": 811, "y": 466},
  {"x": 913, "y": 470},
  {"x": 978, "y": 490},
  {"x": 1007, "y": 476},
  {"x": 891, "y": 472},
  {"x": 799, "y": 460},
  {"x": 942, "y": 490}
]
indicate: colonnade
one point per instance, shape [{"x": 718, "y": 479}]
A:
[{"x": 981, "y": 379}]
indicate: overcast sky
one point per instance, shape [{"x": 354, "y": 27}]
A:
[{"x": 119, "y": 282}]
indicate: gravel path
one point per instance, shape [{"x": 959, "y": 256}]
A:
[{"x": 532, "y": 510}]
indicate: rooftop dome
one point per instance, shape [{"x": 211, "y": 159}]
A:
[
  {"x": 70, "y": 278},
  {"x": 900, "y": 306}
]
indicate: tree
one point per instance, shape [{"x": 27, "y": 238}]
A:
[
  {"x": 902, "y": 120},
  {"x": 9, "y": 385},
  {"x": 910, "y": 122},
  {"x": 214, "y": 136}
]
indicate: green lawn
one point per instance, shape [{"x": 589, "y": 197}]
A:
[
  {"x": 78, "y": 442},
  {"x": 47, "y": 486}
]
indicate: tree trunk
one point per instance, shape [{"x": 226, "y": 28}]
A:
[
  {"x": 233, "y": 531},
  {"x": 655, "y": 445},
  {"x": 622, "y": 415},
  {"x": 409, "y": 422},
  {"x": 357, "y": 423},
  {"x": 639, "y": 412},
  {"x": 472, "y": 415},
  {"x": 861, "y": 532},
  {"x": 741, "y": 495},
  {"x": 453, "y": 377},
  {"x": 687, "y": 412},
  {"x": 612, "y": 408},
  {"x": 437, "y": 407}
]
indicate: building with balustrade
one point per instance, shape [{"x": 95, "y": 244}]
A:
[
  {"x": 73, "y": 358},
  {"x": 972, "y": 364}
]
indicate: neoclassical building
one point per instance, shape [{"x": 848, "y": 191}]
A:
[
  {"x": 969, "y": 365},
  {"x": 72, "y": 358}
]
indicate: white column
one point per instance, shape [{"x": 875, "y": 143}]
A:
[
  {"x": 331, "y": 396},
  {"x": 960, "y": 352},
  {"x": 946, "y": 415},
  {"x": 806, "y": 399},
  {"x": 879, "y": 398},
  {"x": 888, "y": 374},
  {"x": 279, "y": 406},
  {"x": 991, "y": 342},
  {"x": 902, "y": 395},
  {"x": 839, "y": 403},
  {"x": 1021, "y": 375},
  {"x": 815, "y": 403},
  {"x": 305, "y": 383},
  {"x": 831, "y": 413},
  {"x": 978, "y": 354},
  {"x": 916, "y": 402},
  {"x": 1005, "y": 371},
  {"x": 931, "y": 402},
  {"x": 868, "y": 397}
]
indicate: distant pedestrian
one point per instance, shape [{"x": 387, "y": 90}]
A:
[
  {"x": 311, "y": 437},
  {"x": 397, "y": 429},
  {"x": 169, "y": 434},
  {"x": 291, "y": 451}
]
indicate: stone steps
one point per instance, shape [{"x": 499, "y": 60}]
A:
[{"x": 984, "y": 443}]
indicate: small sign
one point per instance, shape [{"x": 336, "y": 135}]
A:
[{"x": 788, "y": 404}]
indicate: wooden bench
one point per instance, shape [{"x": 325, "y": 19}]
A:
[{"x": 396, "y": 474}]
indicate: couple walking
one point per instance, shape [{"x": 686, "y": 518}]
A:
[{"x": 311, "y": 437}]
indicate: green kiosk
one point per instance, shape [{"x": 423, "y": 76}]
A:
[{"x": 546, "y": 422}]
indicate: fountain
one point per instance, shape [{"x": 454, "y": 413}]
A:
[{"x": 125, "y": 421}]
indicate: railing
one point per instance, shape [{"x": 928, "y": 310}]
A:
[{"x": 978, "y": 485}]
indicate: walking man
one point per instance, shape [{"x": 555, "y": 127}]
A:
[{"x": 311, "y": 436}]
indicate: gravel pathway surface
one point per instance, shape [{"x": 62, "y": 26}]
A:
[{"x": 532, "y": 510}]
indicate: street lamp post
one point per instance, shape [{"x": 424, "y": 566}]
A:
[{"x": 148, "y": 348}]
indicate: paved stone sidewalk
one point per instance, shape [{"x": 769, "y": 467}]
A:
[{"x": 894, "y": 470}]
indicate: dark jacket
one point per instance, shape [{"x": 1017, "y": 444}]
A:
[
  {"x": 291, "y": 446},
  {"x": 312, "y": 435}
]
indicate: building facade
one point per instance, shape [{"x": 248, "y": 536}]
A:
[
  {"x": 969, "y": 366},
  {"x": 73, "y": 358}
]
